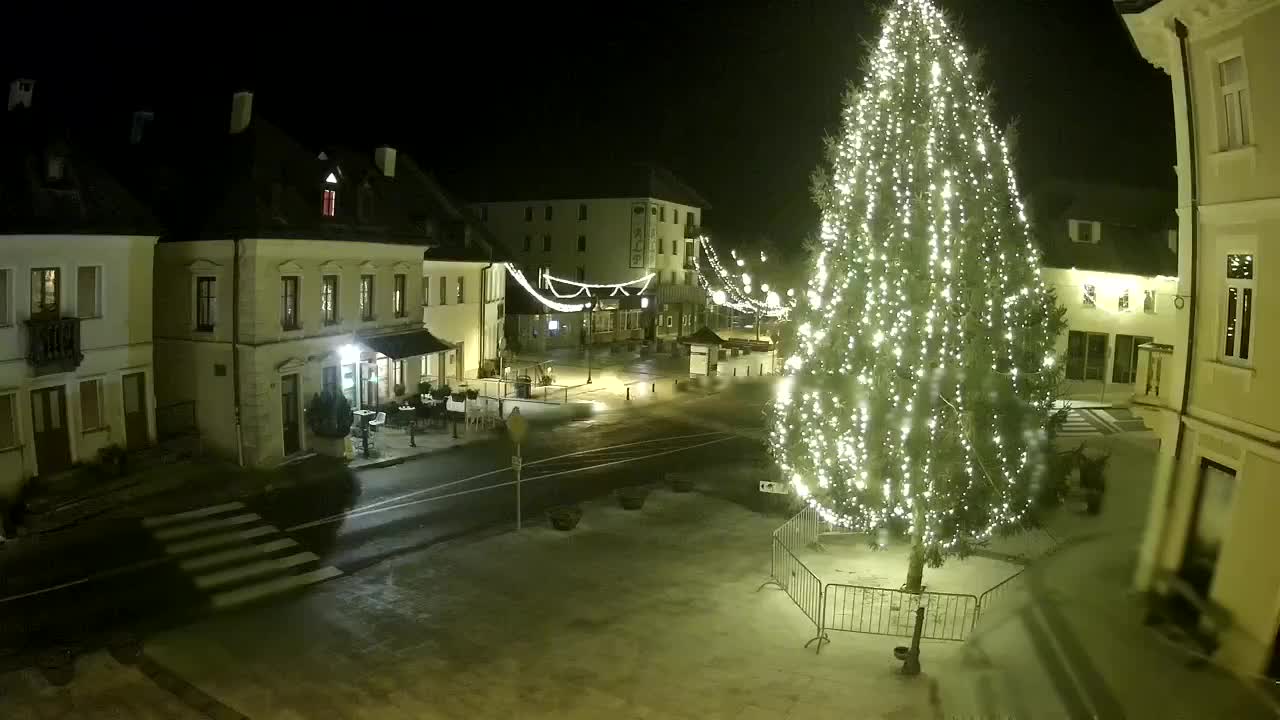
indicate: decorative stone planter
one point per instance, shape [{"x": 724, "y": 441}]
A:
[
  {"x": 328, "y": 446},
  {"x": 58, "y": 665},
  {"x": 564, "y": 517},
  {"x": 632, "y": 498}
]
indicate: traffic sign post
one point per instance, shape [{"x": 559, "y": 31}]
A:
[{"x": 517, "y": 426}]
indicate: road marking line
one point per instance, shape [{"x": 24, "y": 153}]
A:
[
  {"x": 158, "y": 520},
  {"x": 213, "y": 541},
  {"x": 452, "y": 483},
  {"x": 238, "y": 553},
  {"x": 182, "y": 531},
  {"x": 262, "y": 567},
  {"x": 42, "y": 591},
  {"x": 359, "y": 513},
  {"x": 257, "y": 591}
]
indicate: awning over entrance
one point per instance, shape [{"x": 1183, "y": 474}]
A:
[{"x": 399, "y": 346}]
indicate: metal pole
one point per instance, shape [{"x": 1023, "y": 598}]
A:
[
  {"x": 911, "y": 666},
  {"x": 519, "y": 466},
  {"x": 589, "y": 313}
]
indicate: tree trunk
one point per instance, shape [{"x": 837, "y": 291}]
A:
[{"x": 915, "y": 569}]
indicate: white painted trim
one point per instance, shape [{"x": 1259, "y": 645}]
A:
[
  {"x": 330, "y": 267},
  {"x": 202, "y": 266},
  {"x": 402, "y": 267},
  {"x": 1235, "y": 426},
  {"x": 1241, "y": 211},
  {"x": 290, "y": 267},
  {"x": 368, "y": 266}
]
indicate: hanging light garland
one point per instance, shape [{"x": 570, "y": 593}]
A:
[
  {"x": 735, "y": 290},
  {"x": 589, "y": 291}
]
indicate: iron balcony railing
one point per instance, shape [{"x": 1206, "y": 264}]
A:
[{"x": 53, "y": 345}]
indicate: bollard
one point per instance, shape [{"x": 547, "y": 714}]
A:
[
  {"x": 748, "y": 371},
  {"x": 761, "y": 372},
  {"x": 499, "y": 408},
  {"x": 628, "y": 392},
  {"x": 735, "y": 372},
  {"x": 653, "y": 387},
  {"x": 676, "y": 386}
]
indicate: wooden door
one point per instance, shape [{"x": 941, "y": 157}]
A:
[
  {"x": 49, "y": 430},
  {"x": 135, "y": 410},
  {"x": 289, "y": 414}
]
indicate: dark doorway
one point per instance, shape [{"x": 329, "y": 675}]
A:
[
  {"x": 1086, "y": 355},
  {"x": 49, "y": 429},
  {"x": 1273, "y": 670},
  {"x": 1125, "y": 365},
  {"x": 135, "y": 410},
  {"x": 289, "y": 414},
  {"x": 1210, "y": 519}
]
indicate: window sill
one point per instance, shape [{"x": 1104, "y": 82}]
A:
[
  {"x": 88, "y": 317},
  {"x": 1243, "y": 372},
  {"x": 11, "y": 448},
  {"x": 100, "y": 428},
  {"x": 1244, "y": 151},
  {"x": 203, "y": 330}
]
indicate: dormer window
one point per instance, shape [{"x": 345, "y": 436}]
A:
[
  {"x": 330, "y": 200},
  {"x": 1085, "y": 231},
  {"x": 54, "y": 167}
]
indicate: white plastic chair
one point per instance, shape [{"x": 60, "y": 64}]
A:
[{"x": 378, "y": 421}]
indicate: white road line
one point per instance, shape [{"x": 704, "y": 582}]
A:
[
  {"x": 213, "y": 541},
  {"x": 249, "y": 593},
  {"x": 182, "y": 531},
  {"x": 358, "y": 513},
  {"x": 237, "y": 553},
  {"x": 244, "y": 572},
  {"x": 453, "y": 483},
  {"x": 157, "y": 521},
  {"x": 42, "y": 591}
]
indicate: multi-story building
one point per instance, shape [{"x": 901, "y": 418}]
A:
[
  {"x": 1110, "y": 252},
  {"x": 305, "y": 273},
  {"x": 75, "y": 303},
  {"x": 1211, "y": 530},
  {"x": 601, "y": 227}
]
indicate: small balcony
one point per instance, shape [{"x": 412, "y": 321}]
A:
[
  {"x": 692, "y": 232},
  {"x": 1155, "y": 379},
  {"x": 53, "y": 345}
]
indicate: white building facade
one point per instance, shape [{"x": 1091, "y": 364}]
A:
[
  {"x": 463, "y": 304},
  {"x": 1211, "y": 530}
]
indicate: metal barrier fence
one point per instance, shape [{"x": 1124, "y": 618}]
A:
[
  {"x": 800, "y": 584},
  {"x": 881, "y": 611},
  {"x": 498, "y": 388},
  {"x": 176, "y": 419},
  {"x": 999, "y": 593},
  {"x": 802, "y": 530}
]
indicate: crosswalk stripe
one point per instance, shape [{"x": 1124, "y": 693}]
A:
[
  {"x": 244, "y": 572},
  {"x": 181, "y": 531},
  {"x": 237, "y": 553},
  {"x": 257, "y": 591},
  {"x": 212, "y": 541},
  {"x": 159, "y": 520}
]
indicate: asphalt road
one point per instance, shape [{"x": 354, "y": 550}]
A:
[{"x": 138, "y": 575}]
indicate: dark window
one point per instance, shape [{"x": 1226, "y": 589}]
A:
[
  {"x": 528, "y": 243},
  {"x": 675, "y": 216},
  {"x": 397, "y": 295},
  {"x": 329, "y": 299},
  {"x": 366, "y": 297},
  {"x": 582, "y": 243},
  {"x": 546, "y": 213},
  {"x": 484, "y": 213},
  {"x": 546, "y": 243},
  {"x": 528, "y": 214},
  {"x": 444, "y": 291},
  {"x": 206, "y": 303},
  {"x": 329, "y": 379},
  {"x": 662, "y": 214},
  {"x": 582, "y": 274},
  {"x": 582, "y": 211},
  {"x": 289, "y": 302},
  {"x": 675, "y": 249},
  {"x": 662, "y": 246}
]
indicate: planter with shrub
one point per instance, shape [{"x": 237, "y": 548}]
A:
[
  {"x": 632, "y": 498},
  {"x": 564, "y": 517},
  {"x": 473, "y": 394},
  {"x": 329, "y": 418}
]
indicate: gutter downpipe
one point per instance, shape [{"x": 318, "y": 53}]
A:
[
  {"x": 484, "y": 302},
  {"x": 235, "y": 347},
  {"x": 1180, "y": 30}
]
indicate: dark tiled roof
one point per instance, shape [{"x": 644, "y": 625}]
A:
[
  {"x": 86, "y": 200},
  {"x": 566, "y": 183},
  {"x": 468, "y": 239},
  {"x": 1126, "y": 7},
  {"x": 1135, "y": 227},
  {"x": 704, "y": 336}
]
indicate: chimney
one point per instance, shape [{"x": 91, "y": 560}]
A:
[
  {"x": 141, "y": 118},
  {"x": 241, "y": 111},
  {"x": 385, "y": 157},
  {"x": 20, "y": 93}
]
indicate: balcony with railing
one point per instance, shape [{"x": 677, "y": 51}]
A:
[
  {"x": 1154, "y": 384},
  {"x": 53, "y": 345}
]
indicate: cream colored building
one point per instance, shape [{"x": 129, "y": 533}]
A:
[
  {"x": 75, "y": 308},
  {"x": 463, "y": 304},
  {"x": 602, "y": 227},
  {"x": 307, "y": 273},
  {"x": 1212, "y": 531}
]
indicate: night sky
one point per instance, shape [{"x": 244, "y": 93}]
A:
[{"x": 734, "y": 97}]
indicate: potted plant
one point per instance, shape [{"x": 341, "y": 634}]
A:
[
  {"x": 442, "y": 392},
  {"x": 424, "y": 388},
  {"x": 1093, "y": 482},
  {"x": 398, "y": 389},
  {"x": 472, "y": 394},
  {"x": 329, "y": 418},
  {"x": 632, "y": 498},
  {"x": 112, "y": 460},
  {"x": 564, "y": 517}
]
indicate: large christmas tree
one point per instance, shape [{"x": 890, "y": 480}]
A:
[{"x": 922, "y": 385}]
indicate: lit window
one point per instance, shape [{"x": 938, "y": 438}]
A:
[
  {"x": 1123, "y": 304},
  {"x": 1238, "y": 323},
  {"x": 1233, "y": 85},
  {"x": 289, "y": 302},
  {"x": 366, "y": 297},
  {"x": 46, "y": 288},
  {"x": 1090, "y": 296},
  {"x": 397, "y": 295},
  {"x": 1085, "y": 231},
  {"x": 330, "y": 199},
  {"x": 462, "y": 289},
  {"x": 329, "y": 299},
  {"x": 426, "y": 290}
]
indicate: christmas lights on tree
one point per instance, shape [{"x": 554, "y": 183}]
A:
[{"x": 919, "y": 399}]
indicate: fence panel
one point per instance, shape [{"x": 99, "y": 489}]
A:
[
  {"x": 802, "y": 530},
  {"x": 1000, "y": 593},
  {"x": 800, "y": 584},
  {"x": 882, "y": 611}
]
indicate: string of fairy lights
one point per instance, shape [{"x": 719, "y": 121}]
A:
[
  {"x": 736, "y": 289},
  {"x": 927, "y": 279},
  {"x": 589, "y": 292}
]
